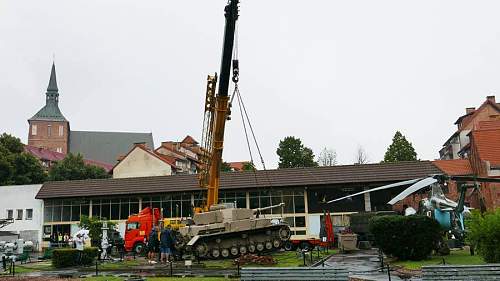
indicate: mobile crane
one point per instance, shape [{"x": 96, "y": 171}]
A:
[{"x": 222, "y": 230}]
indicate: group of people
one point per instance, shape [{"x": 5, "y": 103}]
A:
[
  {"x": 160, "y": 242},
  {"x": 61, "y": 240}
]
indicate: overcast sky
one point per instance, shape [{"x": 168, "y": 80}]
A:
[{"x": 337, "y": 74}]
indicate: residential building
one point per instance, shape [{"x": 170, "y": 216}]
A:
[
  {"x": 238, "y": 166},
  {"x": 18, "y": 202},
  {"x": 143, "y": 162},
  {"x": 454, "y": 146},
  {"x": 49, "y": 129},
  {"x": 303, "y": 190},
  {"x": 48, "y": 158}
]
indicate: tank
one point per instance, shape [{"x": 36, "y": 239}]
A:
[{"x": 225, "y": 231}]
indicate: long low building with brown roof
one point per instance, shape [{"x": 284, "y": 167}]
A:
[{"x": 303, "y": 190}]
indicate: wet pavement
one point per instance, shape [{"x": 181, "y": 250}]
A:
[{"x": 363, "y": 265}]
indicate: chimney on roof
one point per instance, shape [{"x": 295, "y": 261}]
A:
[
  {"x": 491, "y": 98},
  {"x": 141, "y": 144},
  {"x": 120, "y": 158},
  {"x": 469, "y": 110}
]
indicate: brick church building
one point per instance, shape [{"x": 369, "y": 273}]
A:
[{"x": 49, "y": 129}]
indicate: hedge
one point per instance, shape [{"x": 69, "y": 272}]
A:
[
  {"x": 484, "y": 234},
  {"x": 67, "y": 257},
  {"x": 406, "y": 237}
]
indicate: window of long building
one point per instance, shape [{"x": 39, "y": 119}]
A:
[
  {"x": 65, "y": 210},
  {"x": 172, "y": 205},
  {"x": 293, "y": 199}
]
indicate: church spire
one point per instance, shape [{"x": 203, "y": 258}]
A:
[{"x": 52, "y": 81}]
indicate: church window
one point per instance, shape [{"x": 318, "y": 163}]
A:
[
  {"x": 33, "y": 130},
  {"x": 61, "y": 130},
  {"x": 49, "y": 130}
]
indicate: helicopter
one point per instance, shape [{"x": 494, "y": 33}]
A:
[{"x": 448, "y": 213}]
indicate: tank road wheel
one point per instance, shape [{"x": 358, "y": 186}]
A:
[
  {"x": 215, "y": 253},
  {"x": 284, "y": 233},
  {"x": 276, "y": 243},
  {"x": 260, "y": 246},
  {"x": 243, "y": 250},
  {"x": 251, "y": 248},
  {"x": 269, "y": 245},
  {"x": 139, "y": 248},
  {"x": 202, "y": 249},
  {"x": 225, "y": 253},
  {"x": 234, "y": 250}
]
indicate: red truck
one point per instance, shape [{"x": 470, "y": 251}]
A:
[{"x": 138, "y": 227}]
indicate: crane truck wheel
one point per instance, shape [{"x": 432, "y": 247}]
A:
[
  {"x": 234, "y": 250},
  {"x": 251, "y": 248},
  {"x": 288, "y": 246},
  {"x": 139, "y": 248}
]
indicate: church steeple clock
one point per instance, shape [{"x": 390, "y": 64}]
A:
[{"x": 48, "y": 128}]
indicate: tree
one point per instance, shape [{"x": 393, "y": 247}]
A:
[
  {"x": 361, "y": 156},
  {"x": 248, "y": 166},
  {"x": 94, "y": 226},
  {"x": 17, "y": 166},
  {"x": 225, "y": 167},
  {"x": 72, "y": 167},
  {"x": 327, "y": 157},
  {"x": 400, "y": 150},
  {"x": 484, "y": 234},
  {"x": 292, "y": 153}
]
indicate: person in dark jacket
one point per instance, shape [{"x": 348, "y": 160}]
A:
[
  {"x": 166, "y": 244},
  {"x": 153, "y": 244}
]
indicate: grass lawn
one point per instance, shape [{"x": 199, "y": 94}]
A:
[
  {"x": 460, "y": 257},
  {"x": 110, "y": 278}
]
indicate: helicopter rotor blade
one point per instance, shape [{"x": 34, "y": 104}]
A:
[
  {"x": 414, "y": 188},
  {"x": 376, "y": 189}
]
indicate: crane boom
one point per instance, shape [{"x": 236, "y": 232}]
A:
[{"x": 217, "y": 111}]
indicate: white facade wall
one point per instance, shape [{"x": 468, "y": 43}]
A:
[
  {"x": 140, "y": 163},
  {"x": 15, "y": 197}
]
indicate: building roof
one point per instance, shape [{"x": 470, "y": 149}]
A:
[
  {"x": 454, "y": 167},
  {"x": 487, "y": 142},
  {"x": 49, "y": 155},
  {"x": 166, "y": 159},
  {"x": 237, "y": 166},
  {"x": 467, "y": 118},
  {"x": 294, "y": 177},
  {"x": 189, "y": 140},
  {"x": 106, "y": 146},
  {"x": 51, "y": 111}
]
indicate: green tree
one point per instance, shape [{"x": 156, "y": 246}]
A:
[
  {"x": 248, "y": 166},
  {"x": 72, "y": 167},
  {"x": 292, "y": 153},
  {"x": 94, "y": 226},
  {"x": 484, "y": 234},
  {"x": 17, "y": 166},
  {"x": 400, "y": 150},
  {"x": 225, "y": 167}
]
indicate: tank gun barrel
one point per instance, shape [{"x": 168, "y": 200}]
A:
[{"x": 258, "y": 210}]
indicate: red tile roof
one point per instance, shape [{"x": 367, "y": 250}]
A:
[
  {"x": 237, "y": 166},
  {"x": 189, "y": 139},
  {"x": 52, "y": 156},
  {"x": 487, "y": 143},
  {"x": 455, "y": 167}
]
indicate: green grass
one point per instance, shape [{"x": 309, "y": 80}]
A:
[
  {"x": 110, "y": 278},
  {"x": 460, "y": 257}
]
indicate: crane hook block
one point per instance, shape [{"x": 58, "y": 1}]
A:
[{"x": 236, "y": 71}]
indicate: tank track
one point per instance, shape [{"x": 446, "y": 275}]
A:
[{"x": 234, "y": 244}]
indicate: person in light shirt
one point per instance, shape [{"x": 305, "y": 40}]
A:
[{"x": 79, "y": 242}]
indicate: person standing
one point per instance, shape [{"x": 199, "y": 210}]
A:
[
  {"x": 166, "y": 244},
  {"x": 153, "y": 244},
  {"x": 79, "y": 241}
]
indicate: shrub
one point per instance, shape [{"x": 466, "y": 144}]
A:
[
  {"x": 484, "y": 234},
  {"x": 407, "y": 238},
  {"x": 67, "y": 257}
]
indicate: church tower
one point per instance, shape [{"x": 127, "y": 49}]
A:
[{"x": 48, "y": 128}]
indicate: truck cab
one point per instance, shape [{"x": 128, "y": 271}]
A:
[{"x": 138, "y": 227}]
